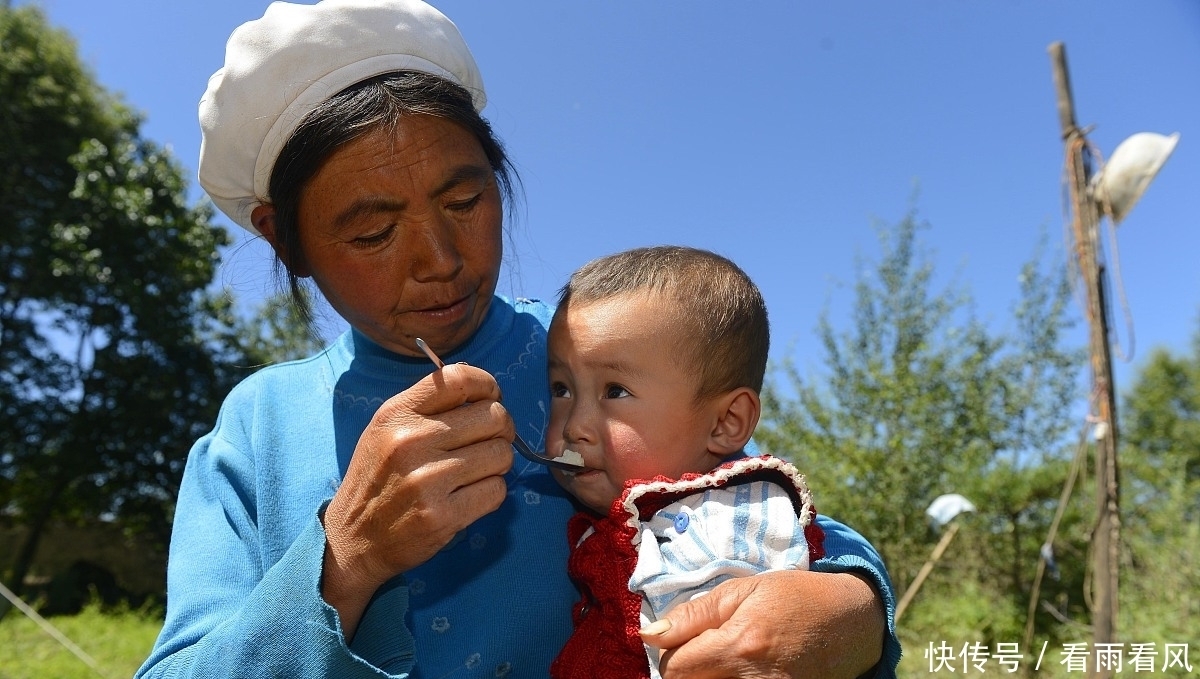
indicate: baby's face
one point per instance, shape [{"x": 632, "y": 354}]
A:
[{"x": 623, "y": 399}]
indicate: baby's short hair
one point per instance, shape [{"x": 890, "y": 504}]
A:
[{"x": 724, "y": 333}]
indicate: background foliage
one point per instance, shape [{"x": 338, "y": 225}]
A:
[
  {"x": 114, "y": 351},
  {"x": 918, "y": 399}
]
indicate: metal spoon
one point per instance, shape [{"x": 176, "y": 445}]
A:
[{"x": 519, "y": 443}]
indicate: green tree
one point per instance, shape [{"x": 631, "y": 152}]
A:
[
  {"x": 1160, "y": 499},
  {"x": 920, "y": 399},
  {"x": 110, "y": 351},
  {"x": 277, "y": 332}
]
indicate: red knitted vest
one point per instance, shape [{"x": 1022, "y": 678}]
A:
[{"x": 607, "y": 617}]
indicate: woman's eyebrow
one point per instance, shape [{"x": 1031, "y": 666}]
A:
[
  {"x": 460, "y": 175},
  {"x": 376, "y": 204},
  {"x": 368, "y": 205}
]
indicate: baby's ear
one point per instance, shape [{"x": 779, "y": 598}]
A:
[{"x": 737, "y": 415}]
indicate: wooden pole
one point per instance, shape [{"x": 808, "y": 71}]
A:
[
  {"x": 909, "y": 593},
  {"x": 1105, "y": 543},
  {"x": 1063, "y": 499}
]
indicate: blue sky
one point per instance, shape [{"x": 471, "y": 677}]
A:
[{"x": 777, "y": 133}]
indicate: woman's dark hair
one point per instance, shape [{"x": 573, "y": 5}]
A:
[{"x": 361, "y": 109}]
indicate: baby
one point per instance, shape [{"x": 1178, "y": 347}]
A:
[{"x": 656, "y": 360}]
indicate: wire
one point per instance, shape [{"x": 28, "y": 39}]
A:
[
  {"x": 1125, "y": 310},
  {"x": 50, "y": 629},
  {"x": 1072, "y": 206}
]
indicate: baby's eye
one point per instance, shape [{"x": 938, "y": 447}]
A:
[
  {"x": 559, "y": 390},
  {"x": 615, "y": 391}
]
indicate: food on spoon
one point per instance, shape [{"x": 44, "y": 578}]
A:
[{"x": 570, "y": 457}]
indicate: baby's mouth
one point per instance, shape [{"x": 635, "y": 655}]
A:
[{"x": 572, "y": 457}]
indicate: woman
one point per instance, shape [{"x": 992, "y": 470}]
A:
[{"x": 356, "y": 513}]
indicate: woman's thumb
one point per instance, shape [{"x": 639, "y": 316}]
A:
[{"x": 691, "y": 618}]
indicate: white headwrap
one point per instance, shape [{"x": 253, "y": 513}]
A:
[{"x": 279, "y": 67}]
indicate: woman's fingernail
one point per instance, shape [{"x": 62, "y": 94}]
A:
[{"x": 656, "y": 628}]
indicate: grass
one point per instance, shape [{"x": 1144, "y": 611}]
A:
[{"x": 118, "y": 640}]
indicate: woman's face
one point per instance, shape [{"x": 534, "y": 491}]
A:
[{"x": 401, "y": 231}]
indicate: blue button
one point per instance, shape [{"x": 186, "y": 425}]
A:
[{"x": 681, "y": 522}]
